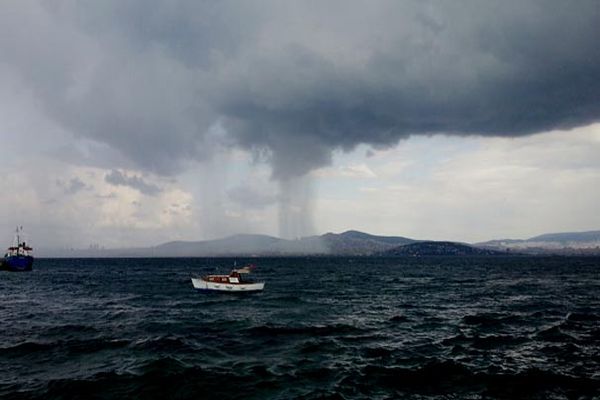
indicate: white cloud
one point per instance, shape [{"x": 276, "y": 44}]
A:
[
  {"x": 497, "y": 188},
  {"x": 355, "y": 171},
  {"x": 63, "y": 205}
]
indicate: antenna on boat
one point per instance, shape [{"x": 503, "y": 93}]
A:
[{"x": 18, "y": 244}]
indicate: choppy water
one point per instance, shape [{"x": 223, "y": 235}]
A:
[{"x": 324, "y": 328}]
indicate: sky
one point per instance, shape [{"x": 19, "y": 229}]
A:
[{"x": 132, "y": 123}]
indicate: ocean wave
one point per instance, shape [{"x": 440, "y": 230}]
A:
[
  {"x": 398, "y": 318},
  {"x": 317, "y": 346},
  {"x": 172, "y": 379},
  {"x": 490, "y": 320},
  {"x": 583, "y": 317},
  {"x": 67, "y": 329},
  {"x": 62, "y": 347},
  {"x": 308, "y": 330},
  {"x": 25, "y": 348},
  {"x": 165, "y": 378},
  {"x": 487, "y": 342},
  {"x": 449, "y": 377},
  {"x": 554, "y": 334},
  {"x": 163, "y": 344}
]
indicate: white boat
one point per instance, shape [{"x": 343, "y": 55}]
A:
[{"x": 234, "y": 282}]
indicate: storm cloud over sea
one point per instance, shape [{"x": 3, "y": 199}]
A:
[
  {"x": 295, "y": 81},
  {"x": 217, "y": 112},
  {"x": 324, "y": 328}
]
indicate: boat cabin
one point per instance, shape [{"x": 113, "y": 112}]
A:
[
  {"x": 234, "y": 277},
  {"x": 21, "y": 250}
]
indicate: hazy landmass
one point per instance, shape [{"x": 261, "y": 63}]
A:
[
  {"x": 350, "y": 243},
  {"x": 566, "y": 243}
]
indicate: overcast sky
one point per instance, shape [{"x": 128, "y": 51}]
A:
[{"x": 126, "y": 123}]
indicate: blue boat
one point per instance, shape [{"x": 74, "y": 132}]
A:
[{"x": 19, "y": 256}]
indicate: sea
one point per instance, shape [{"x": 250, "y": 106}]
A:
[{"x": 323, "y": 328}]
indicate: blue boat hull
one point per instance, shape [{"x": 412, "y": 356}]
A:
[{"x": 18, "y": 263}]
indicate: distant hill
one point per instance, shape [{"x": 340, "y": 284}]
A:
[
  {"x": 347, "y": 243},
  {"x": 359, "y": 243},
  {"x": 430, "y": 248},
  {"x": 568, "y": 237},
  {"x": 237, "y": 244},
  {"x": 550, "y": 243},
  {"x": 240, "y": 245}
]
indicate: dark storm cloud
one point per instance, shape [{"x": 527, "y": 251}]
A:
[
  {"x": 118, "y": 178},
  {"x": 510, "y": 70},
  {"x": 296, "y": 80}
]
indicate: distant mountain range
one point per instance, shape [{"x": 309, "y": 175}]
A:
[{"x": 350, "y": 243}]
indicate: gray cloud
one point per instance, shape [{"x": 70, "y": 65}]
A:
[
  {"x": 294, "y": 81},
  {"x": 118, "y": 178},
  {"x": 73, "y": 186},
  {"x": 249, "y": 197},
  {"x": 111, "y": 195}
]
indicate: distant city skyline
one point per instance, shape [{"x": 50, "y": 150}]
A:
[{"x": 131, "y": 124}]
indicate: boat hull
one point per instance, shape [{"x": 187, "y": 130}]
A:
[
  {"x": 201, "y": 284},
  {"x": 18, "y": 263}
]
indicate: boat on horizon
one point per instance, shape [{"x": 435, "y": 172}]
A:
[
  {"x": 235, "y": 282},
  {"x": 19, "y": 256}
]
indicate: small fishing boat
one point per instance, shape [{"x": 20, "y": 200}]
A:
[
  {"x": 19, "y": 256},
  {"x": 236, "y": 281}
]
